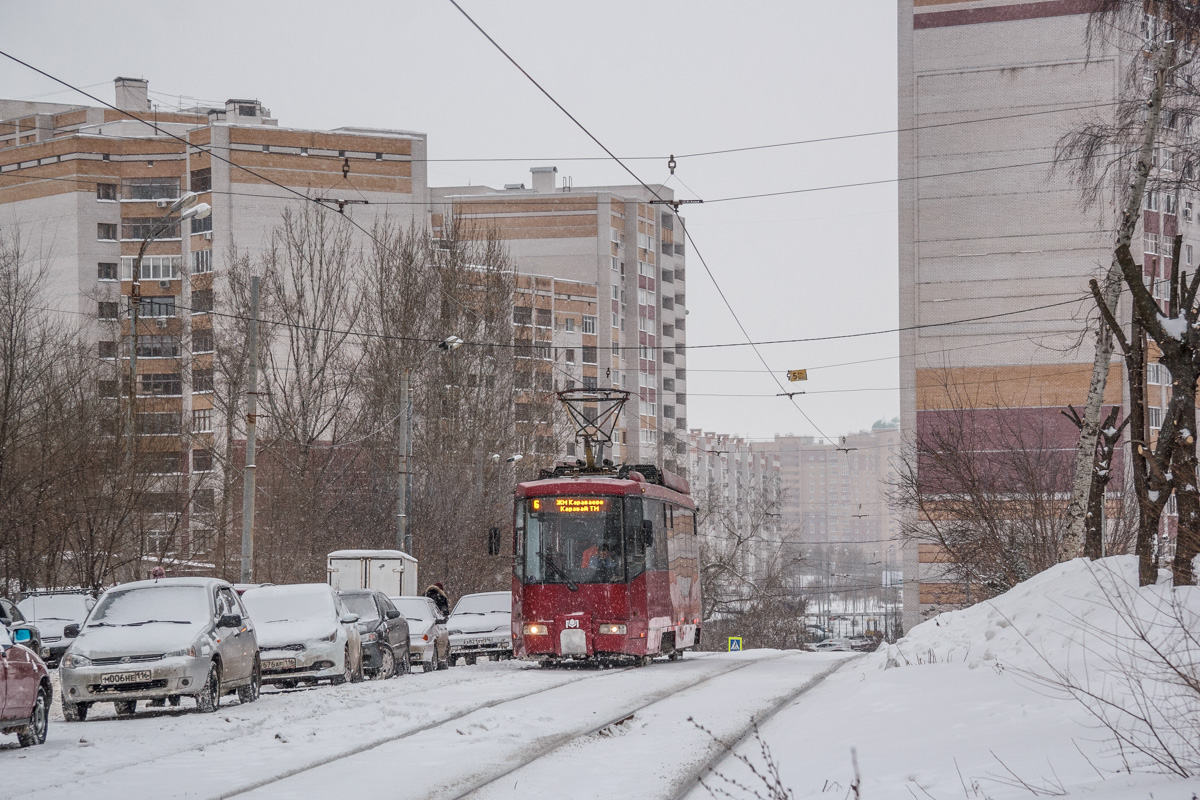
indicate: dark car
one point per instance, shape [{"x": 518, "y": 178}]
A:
[
  {"x": 25, "y": 691},
  {"x": 51, "y": 613},
  {"x": 384, "y": 632}
]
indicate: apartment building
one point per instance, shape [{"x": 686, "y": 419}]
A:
[
  {"x": 88, "y": 187},
  {"x": 986, "y": 90},
  {"x": 628, "y": 245}
]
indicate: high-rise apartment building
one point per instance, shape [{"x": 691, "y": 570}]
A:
[
  {"x": 632, "y": 250},
  {"x": 988, "y": 232}
]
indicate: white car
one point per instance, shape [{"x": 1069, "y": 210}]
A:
[
  {"x": 50, "y": 613},
  {"x": 305, "y": 634},
  {"x": 481, "y": 626},
  {"x": 428, "y": 640},
  {"x": 833, "y": 645}
]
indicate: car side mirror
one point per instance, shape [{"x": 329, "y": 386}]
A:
[
  {"x": 71, "y": 631},
  {"x": 493, "y": 541},
  {"x": 648, "y": 532},
  {"x": 22, "y": 636},
  {"x": 349, "y": 618},
  {"x": 230, "y": 621},
  {"x": 393, "y": 614}
]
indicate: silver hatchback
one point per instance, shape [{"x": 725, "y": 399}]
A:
[{"x": 161, "y": 640}]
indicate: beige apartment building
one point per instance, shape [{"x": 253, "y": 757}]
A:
[
  {"x": 628, "y": 246},
  {"x": 986, "y": 90}
]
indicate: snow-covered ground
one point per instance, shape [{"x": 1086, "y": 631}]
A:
[{"x": 953, "y": 710}]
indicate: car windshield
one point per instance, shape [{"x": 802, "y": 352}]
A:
[
  {"x": 66, "y": 607},
  {"x": 363, "y": 605},
  {"x": 484, "y": 604},
  {"x": 151, "y": 604},
  {"x": 288, "y": 603},
  {"x": 414, "y": 608},
  {"x": 572, "y": 540}
]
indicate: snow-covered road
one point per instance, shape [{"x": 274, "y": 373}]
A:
[{"x": 443, "y": 735}]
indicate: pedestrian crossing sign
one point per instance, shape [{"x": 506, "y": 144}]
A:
[{"x": 735, "y": 644}]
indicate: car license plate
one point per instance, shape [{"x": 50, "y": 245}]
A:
[
  {"x": 117, "y": 678},
  {"x": 279, "y": 663}
]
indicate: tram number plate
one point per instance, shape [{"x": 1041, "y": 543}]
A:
[
  {"x": 117, "y": 678},
  {"x": 279, "y": 663}
]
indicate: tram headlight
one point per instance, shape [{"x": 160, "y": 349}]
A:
[
  {"x": 535, "y": 629},
  {"x": 607, "y": 628}
]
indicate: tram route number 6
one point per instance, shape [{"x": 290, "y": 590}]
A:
[
  {"x": 571, "y": 623},
  {"x": 735, "y": 644}
]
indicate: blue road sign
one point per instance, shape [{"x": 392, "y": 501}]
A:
[{"x": 735, "y": 644}]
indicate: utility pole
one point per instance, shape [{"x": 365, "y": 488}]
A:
[
  {"x": 251, "y": 424},
  {"x": 403, "y": 534}
]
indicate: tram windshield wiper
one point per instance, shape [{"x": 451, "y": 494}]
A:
[{"x": 549, "y": 562}]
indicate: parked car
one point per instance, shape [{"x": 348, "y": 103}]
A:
[
  {"x": 305, "y": 633},
  {"x": 833, "y": 645},
  {"x": 383, "y": 630},
  {"x": 862, "y": 644},
  {"x": 481, "y": 626},
  {"x": 50, "y": 613},
  {"x": 161, "y": 640},
  {"x": 13, "y": 620},
  {"x": 428, "y": 638},
  {"x": 815, "y": 633},
  {"x": 25, "y": 691}
]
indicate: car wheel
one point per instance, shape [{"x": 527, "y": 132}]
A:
[
  {"x": 75, "y": 712},
  {"x": 404, "y": 665},
  {"x": 125, "y": 708},
  {"x": 209, "y": 699},
  {"x": 39, "y": 721},
  {"x": 173, "y": 700},
  {"x": 249, "y": 693},
  {"x": 347, "y": 670},
  {"x": 470, "y": 660},
  {"x": 387, "y": 664},
  {"x": 360, "y": 673},
  {"x": 675, "y": 655}
]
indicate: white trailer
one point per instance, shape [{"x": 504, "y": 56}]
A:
[{"x": 392, "y": 572}]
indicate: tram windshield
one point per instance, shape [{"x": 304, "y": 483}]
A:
[{"x": 572, "y": 540}]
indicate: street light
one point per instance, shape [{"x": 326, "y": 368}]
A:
[
  {"x": 191, "y": 210},
  {"x": 404, "y": 490}
]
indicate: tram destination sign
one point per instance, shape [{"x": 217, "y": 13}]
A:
[{"x": 571, "y": 505}]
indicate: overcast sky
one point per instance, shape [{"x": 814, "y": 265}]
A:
[{"x": 648, "y": 79}]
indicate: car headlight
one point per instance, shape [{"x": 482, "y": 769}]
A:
[
  {"x": 612, "y": 628},
  {"x": 455, "y": 632},
  {"x": 330, "y": 638},
  {"x": 190, "y": 652},
  {"x": 72, "y": 661},
  {"x": 536, "y": 629},
  {"x": 367, "y": 638}
]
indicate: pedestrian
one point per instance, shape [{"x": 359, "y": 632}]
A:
[{"x": 437, "y": 593}]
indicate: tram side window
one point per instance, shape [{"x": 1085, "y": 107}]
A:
[{"x": 635, "y": 546}]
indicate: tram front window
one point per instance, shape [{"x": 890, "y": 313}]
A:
[{"x": 572, "y": 540}]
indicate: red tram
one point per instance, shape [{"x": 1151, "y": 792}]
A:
[{"x": 606, "y": 563}]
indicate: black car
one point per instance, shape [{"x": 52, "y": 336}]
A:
[{"x": 384, "y": 632}]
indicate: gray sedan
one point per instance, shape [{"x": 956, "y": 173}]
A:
[{"x": 161, "y": 640}]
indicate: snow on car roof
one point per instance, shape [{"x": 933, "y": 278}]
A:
[{"x": 205, "y": 582}]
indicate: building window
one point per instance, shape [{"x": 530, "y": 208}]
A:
[
  {"x": 106, "y": 191},
  {"x": 157, "y": 307},
  {"x": 668, "y": 385},
  {"x": 107, "y": 349},
  {"x": 569, "y": 324},
  {"x": 202, "y": 460},
  {"x": 202, "y": 420},
  {"x": 162, "y": 383},
  {"x": 589, "y": 324},
  {"x": 202, "y": 301},
  {"x": 589, "y": 382},
  {"x": 1155, "y": 415},
  {"x": 158, "y": 346},
  {"x": 108, "y": 388},
  {"x": 522, "y": 315},
  {"x": 106, "y": 271},
  {"x": 202, "y": 380},
  {"x": 544, "y": 318},
  {"x": 202, "y": 341},
  {"x": 200, "y": 180},
  {"x": 139, "y": 228},
  {"x": 107, "y": 310},
  {"x": 106, "y": 231},
  {"x": 1187, "y": 254},
  {"x": 150, "y": 188},
  {"x": 159, "y": 463},
  {"x": 201, "y": 261},
  {"x": 159, "y": 423},
  {"x": 668, "y": 330},
  {"x": 154, "y": 268},
  {"x": 202, "y": 225},
  {"x": 616, "y": 263},
  {"x": 589, "y": 354},
  {"x": 204, "y": 501}
]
